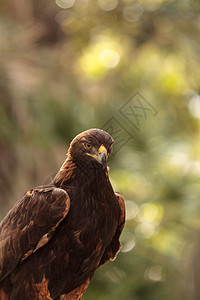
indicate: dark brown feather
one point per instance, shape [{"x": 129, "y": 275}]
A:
[{"x": 30, "y": 225}]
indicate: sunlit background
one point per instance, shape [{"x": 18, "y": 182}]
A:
[{"x": 70, "y": 65}]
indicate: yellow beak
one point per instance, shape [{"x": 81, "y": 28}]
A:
[{"x": 101, "y": 156}]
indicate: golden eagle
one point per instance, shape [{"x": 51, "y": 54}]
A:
[{"x": 56, "y": 236}]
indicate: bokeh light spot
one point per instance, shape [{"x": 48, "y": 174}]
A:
[
  {"x": 108, "y": 4},
  {"x": 131, "y": 209},
  {"x": 145, "y": 230},
  {"x": 128, "y": 241},
  {"x": 109, "y": 58},
  {"x": 150, "y": 212},
  {"x": 65, "y": 3},
  {"x": 133, "y": 12},
  {"x": 154, "y": 273},
  {"x": 194, "y": 106}
]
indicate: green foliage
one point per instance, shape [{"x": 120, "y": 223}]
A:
[{"x": 71, "y": 65}]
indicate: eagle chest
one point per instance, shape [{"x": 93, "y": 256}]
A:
[{"x": 94, "y": 220}]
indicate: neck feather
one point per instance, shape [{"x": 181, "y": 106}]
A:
[{"x": 72, "y": 171}]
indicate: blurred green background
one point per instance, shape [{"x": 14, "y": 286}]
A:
[{"x": 70, "y": 65}]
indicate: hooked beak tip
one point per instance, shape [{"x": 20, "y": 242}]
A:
[{"x": 104, "y": 160}]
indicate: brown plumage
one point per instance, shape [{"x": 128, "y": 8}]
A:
[{"x": 56, "y": 236}]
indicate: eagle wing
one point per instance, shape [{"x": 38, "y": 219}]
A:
[
  {"x": 30, "y": 224},
  {"x": 114, "y": 246}
]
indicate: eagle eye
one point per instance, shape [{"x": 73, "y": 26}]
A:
[{"x": 87, "y": 146}]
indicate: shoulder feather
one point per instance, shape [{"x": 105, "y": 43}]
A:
[{"x": 30, "y": 224}]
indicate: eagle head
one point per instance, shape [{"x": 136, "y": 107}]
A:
[{"x": 91, "y": 148}]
